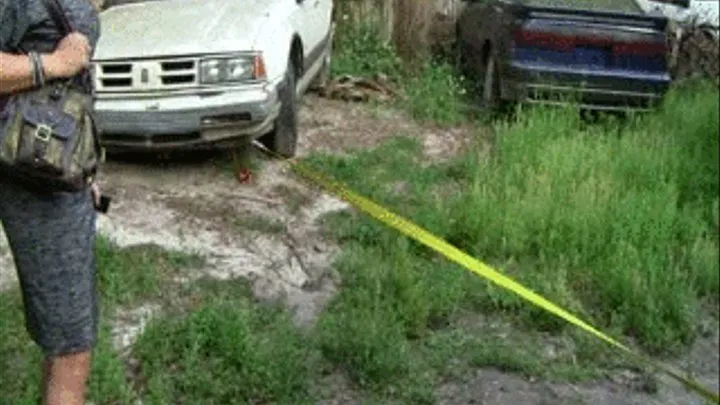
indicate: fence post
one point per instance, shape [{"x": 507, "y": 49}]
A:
[{"x": 388, "y": 16}]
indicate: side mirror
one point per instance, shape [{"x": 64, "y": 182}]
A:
[{"x": 679, "y": 3}]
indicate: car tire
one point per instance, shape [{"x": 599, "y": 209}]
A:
[
  {"x": 491, "y": 85},
  {"x": 283, "y": 138},
  {"x": 458, "y": 51}
]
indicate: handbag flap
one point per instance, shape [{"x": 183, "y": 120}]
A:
[{"x": 62, "y": 124}]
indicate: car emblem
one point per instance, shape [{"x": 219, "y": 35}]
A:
[
  {"x": 144, "y": 76},
  {"x": 152, "y": 107}
]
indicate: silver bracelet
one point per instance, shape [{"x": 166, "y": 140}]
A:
[
  {"x": 33, "y": 69},
  {"x": 40, "y": 68},
  {"x": 38, "y": 75}
]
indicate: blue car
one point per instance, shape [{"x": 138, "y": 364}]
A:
[{"x": 529, "y": 51}]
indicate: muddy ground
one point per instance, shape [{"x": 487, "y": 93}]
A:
[{"x": 267, "y": 232}]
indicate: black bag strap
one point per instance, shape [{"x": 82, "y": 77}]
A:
[{"x": 58, "y": 15}]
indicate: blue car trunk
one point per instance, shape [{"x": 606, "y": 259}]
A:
[{"x": 614, "y": 56}]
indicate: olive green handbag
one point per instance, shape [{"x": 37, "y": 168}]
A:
[{"x": 49, "y": 140}]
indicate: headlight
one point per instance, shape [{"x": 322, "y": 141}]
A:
[{"x": 235, "y": 69}]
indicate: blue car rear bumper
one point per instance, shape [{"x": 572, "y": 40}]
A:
[{"x": 595, "y": 89}]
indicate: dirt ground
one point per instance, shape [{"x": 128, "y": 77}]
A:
[{"x": 266, "y": 232}]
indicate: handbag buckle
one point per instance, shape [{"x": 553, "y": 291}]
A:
[{"x": 43, "y": 132}]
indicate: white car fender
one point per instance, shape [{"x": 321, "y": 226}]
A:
[{"x": 274, "y": 41}]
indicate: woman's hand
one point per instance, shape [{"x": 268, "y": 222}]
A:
[{"x": 71, "y": 56}]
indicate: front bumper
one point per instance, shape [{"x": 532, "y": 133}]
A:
[
  {"x": 592, "y": 90},
  {"x": 185, "y": 119}
]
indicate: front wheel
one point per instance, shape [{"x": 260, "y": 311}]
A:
[{"x": 283, "y": 139}]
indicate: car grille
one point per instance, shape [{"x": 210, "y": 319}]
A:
[{"x": 146, "y": 75}]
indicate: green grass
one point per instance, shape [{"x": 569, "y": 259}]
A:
[
  {"x": 225, "y": 350},
  {"x": 125, "y": 277},
  {"x": 213, "y": 343},
  {"x": 131, "y": 275},
  {"x": 617, "y": 222}
]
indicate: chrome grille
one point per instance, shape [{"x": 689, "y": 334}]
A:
[{"x": 146, "y": 75}]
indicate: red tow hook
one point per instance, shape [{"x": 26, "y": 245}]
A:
[{"x": 244, "y": 176}]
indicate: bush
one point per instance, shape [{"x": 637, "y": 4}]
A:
[{"x": 359, "y": 51}]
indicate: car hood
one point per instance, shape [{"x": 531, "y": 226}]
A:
[{"x": 179, "y": 27}]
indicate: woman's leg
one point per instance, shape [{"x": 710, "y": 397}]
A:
[{"x": 52, "y": 240}]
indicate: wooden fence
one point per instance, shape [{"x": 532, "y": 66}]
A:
[
  {"x": 389, "y": 15},
  {"x": 413, "y": 26}
]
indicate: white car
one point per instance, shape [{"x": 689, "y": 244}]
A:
[
  {"x": 172, "y": 74},
  {"x": 701, "y": 12}
]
